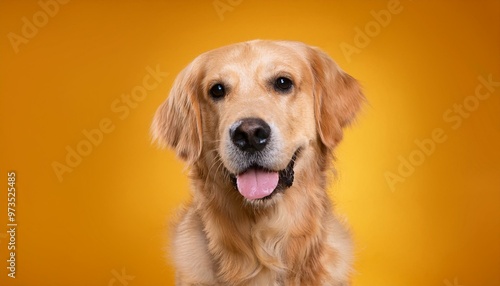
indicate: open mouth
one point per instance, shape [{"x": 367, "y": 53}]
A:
[{"x": 257, "y": 182}]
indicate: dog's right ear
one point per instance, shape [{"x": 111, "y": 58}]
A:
[{"x": 177, "y": 122}]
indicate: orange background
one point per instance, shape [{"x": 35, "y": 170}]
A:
[{"x": 440, "y": 226}]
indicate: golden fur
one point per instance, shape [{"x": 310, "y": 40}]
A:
[{"x": 293, "y": 238}]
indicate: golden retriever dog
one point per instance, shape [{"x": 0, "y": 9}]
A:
[{"x": 257, "y": 123}]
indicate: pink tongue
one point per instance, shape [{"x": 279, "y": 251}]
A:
[{"x": 257, "y": 184}]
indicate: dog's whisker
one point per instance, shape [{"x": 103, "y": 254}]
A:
[
  {"x": 217, "y": 165},
  {"x": 214, "y": 163}
]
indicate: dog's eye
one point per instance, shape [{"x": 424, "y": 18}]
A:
[
  {"x": 217, "y": 91},
  {"x": 283, "y": 84}
]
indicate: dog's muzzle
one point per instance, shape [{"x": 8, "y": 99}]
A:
[{"x": 251, "y": 136}]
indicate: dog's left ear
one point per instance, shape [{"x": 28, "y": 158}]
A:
[
  {"x": 337, "y": 97},
  {"x": 177, "y": 122}
]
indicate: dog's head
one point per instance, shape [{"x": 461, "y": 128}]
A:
[{"x": 255, "y": 108}]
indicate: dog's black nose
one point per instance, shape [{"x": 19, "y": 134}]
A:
[{"x": 250, "y": 134}]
